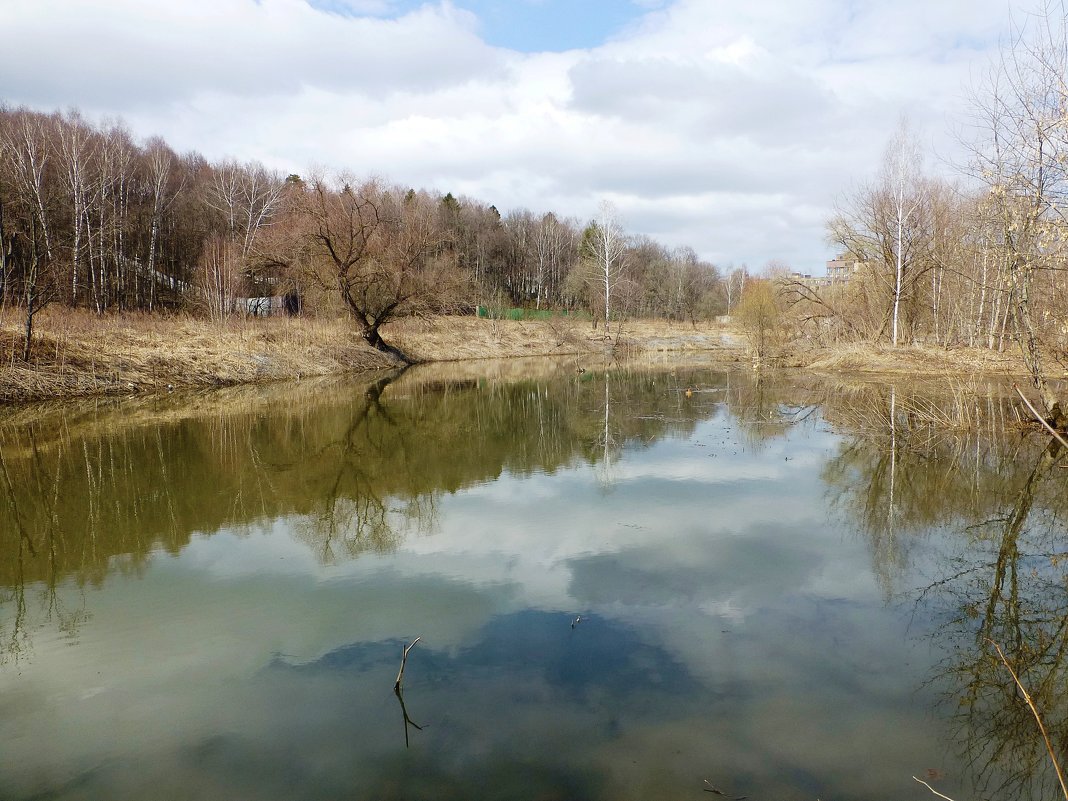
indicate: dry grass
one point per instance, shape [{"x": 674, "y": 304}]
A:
[
  {"x": 912, "y": 359},
  {"x": 77, "y": 353},
  {"x": 455, "y": 338}
]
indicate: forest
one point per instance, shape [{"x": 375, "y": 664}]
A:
[{"x": 92, "y": 218}]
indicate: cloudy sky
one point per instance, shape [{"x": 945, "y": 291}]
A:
[{"x": 728, "y": 126}]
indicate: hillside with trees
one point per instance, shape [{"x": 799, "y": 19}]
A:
[{"x": 91, "y": 218}]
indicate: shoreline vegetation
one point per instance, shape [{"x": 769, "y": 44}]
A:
[
  {"x": 126, "y": 268},
  {"x": 78, "y": 354}
]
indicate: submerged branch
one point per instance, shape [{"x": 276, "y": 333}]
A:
[
  {"x": 1034, "y": 711},
  {"x": 404, "y": 659},
  {"x": 1043, "y": 421},
  {"x": 933, "y": 790}
]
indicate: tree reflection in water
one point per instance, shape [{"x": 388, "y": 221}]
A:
[
  {"x": 100, "y": 486},
  {"x": 358, "y": 467},
  {"x": 999, "y": 495}
]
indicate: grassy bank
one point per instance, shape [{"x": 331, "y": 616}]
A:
[{"x": 79, "y": 354}]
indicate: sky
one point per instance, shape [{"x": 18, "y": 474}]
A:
[{"x": 730, "y": 127}]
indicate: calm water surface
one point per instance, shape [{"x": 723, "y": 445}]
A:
[{"x": 624, "y": 590}]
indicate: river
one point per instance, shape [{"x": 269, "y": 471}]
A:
[{"x": 627, "y": 584}]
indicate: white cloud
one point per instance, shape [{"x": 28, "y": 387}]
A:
[{"x": 727, "y": 126}]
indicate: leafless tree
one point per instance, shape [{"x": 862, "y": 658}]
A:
[
  {"x": 77, "y": 148},
  {"x": 902, "y": 180},
  {"x": 218, "y": 277},
  {"x": 383, "y": 251},
  {"x": 24, "y": 148},
  {"x": 1020, "y": 152},
  {"x": 604, "y": 252}
]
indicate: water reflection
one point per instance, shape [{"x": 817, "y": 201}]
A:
[
  {"x": 1001, "y": 577},
  {"x": 357, "y": 466},
  {"x": 760, "y": 566}
]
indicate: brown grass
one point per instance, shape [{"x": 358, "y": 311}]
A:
[
  {"x": 455, "y": 338},
  {"x": 77, "y": 353},
  {"x": 863, "y": 357}
]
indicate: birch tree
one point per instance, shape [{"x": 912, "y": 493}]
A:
[
  {"x": 248, "y": 196},
  {"x": 25, "y": 149},
  {"x": 1020, "y": 153},
  {"x": 162, "y": 191},
  {"x": 903, "y": 181},
  {"x": 605, "y": 245},
  {"x": 76, "y": 150},
  {"x": 886, "y": 227},
  {"x": 112, "y": 188}
]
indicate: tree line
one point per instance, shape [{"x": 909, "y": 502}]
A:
[
  {"x": 93, "y": 218},
  {"x": 975, "y": 261}
]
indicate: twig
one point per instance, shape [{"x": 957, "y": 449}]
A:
[
  {"x": 404, "y": 658},
  {"x": 711, "y": 788},
  {"x": 407, "y": 720},
  {"x": 1051, "y": 430},
  {"x": 933, "y": 790},
  {"x": 1034, "y": 711}
]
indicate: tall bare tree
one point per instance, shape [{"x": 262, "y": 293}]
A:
[
  {"x": 1020, "y": 152},
  {"x": 77, "y": 147},
  {"x": 604, "y": 248},
  {"x": 25, "y": 150},
  {"x": 902, "y": 179}
]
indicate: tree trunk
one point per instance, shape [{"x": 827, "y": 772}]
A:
[
  {"x": 1023, "y": 275},
  {"x": 28, "y": 340}
]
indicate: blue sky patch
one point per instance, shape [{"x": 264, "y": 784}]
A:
[
  {"x": 540, "y": 25},
  {"x": 529, "y": 26}
]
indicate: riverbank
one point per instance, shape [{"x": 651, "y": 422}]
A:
[{"x": 78, "y": 354}]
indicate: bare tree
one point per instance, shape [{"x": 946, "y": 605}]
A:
[
  {"x": 218, "y": 277},
  {"x": 734, "y": 285},
  {"x": 605, "y": 251},
  {"x": 1020, "y": 152},
  {"x": 885, "y": 226},
  {"x": 248, "y": 196},
  {"x": 759, "y": 313},
  {"x": 113, "y": 184},
  {"x": 24, "y": 147},
  {"x": 163, "y": 190},
  {"x": 77, "y": 147},
  {"x": 694, "y": 285},
  {"x": 382, "y": 250},
  {"x": 902, "y": 179}
]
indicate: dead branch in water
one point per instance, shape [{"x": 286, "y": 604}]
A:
[
  {"x": 408, "y": 722},
  {"x": 404, "y": 659},
  {"x": 933, "y": 790},
  {"x": 1059, "y": 439},
  {"x": 1034, "y": 711}
]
